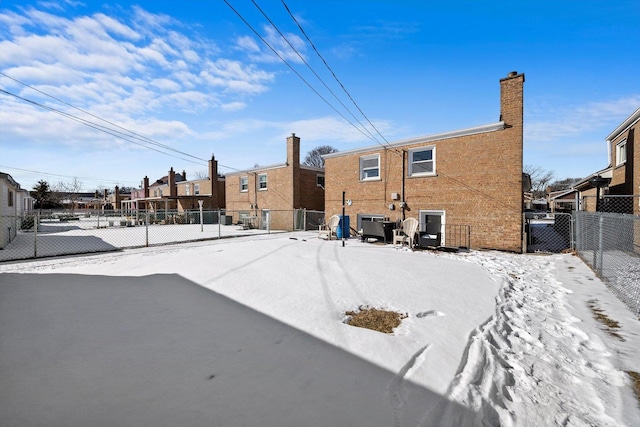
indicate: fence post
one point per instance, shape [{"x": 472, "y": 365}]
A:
[
  {"x": 600, "y": 246},
  {"x": 219, "y": 221},
  {"x": 146, "y": 228},
  {"x": 36, "y": 224}
]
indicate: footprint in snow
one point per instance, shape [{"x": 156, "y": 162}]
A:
[{"x": 429, "y": 314}]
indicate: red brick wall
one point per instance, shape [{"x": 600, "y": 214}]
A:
[{"x": 478, "y": 180}]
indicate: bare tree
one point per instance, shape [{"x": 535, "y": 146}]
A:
[
  {"x": 540, "y": 179},
  {"x": 314, "y": 157},
  {"x": 69, "y": 191}
]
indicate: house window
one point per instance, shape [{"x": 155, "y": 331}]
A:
[
  {"x": 262, "y": 181},
  {"x": 244, "y": 183},
  {"x": 621, "y": 153},
  {"x": 320, "y": 180},
  {"x": 422, "y": 161},
  {"x": 370, "y": 167},
  {"x": 187, "y": 189},
  {"x": 196, "y": 189},
  {"x": 10, "y": 197}
]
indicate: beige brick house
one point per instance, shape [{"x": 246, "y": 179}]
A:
[
  {"x": 268, "y": 196},
  {"x": 469, "y": 179},
  {"x": 175, "y": 192},
  {"x": 625, "y": 162}
]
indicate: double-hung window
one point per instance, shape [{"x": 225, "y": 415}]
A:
[
  {"x": 422, "y": 161},
  {"x": 621, "y": 152},
  {"x": 187, "y": 190},
  {"x": 196, "y": 189},
  {"x": 320, "y": 180},
  {"x": 262, "y": 181},
  {"x": 244, "y": 183},
  {"x": 370, "y": 167}
]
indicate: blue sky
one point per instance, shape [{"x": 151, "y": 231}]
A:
[{"x": 191, "y": 79}]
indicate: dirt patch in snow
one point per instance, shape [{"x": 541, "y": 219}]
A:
[
  {"x": 375, "y": 319},
  {"x": 611, "y": 326}
]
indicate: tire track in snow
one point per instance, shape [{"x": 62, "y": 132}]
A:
[{"x": 529, "y": 364}]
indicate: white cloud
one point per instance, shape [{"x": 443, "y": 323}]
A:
[{"x": 553, "y": 124}]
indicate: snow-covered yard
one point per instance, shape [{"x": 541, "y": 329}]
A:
[{"x": 251, "y": 331}]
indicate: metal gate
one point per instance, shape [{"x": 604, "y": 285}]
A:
[{"x": 553, "y": 233}]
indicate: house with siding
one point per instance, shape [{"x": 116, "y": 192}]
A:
[
  {"x": 270, "y": 196},
  {"x": 467, "y": 181},
  {"x": 15, "y": 202}
]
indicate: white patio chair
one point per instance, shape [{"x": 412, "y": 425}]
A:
[
  {"x": 407, "y": 233},
  {"x": 330, "y": 229}
]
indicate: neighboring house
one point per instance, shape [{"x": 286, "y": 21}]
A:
[
  {"x": 175, "y": 192},
  {"x": 15, "y": 202},
  {"x": 625, "y": 164},
  {"x": 268, "y": 196},
  {"x": 562, "y": 201},
  {"x": 617, "y": 187},
  {"x": 113, "y": 201},
  {"x": 467, "y": 179}
]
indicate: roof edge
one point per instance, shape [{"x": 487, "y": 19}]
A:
[
  {"x": 626, "y": 124},
  {"x": 423, "y": 139}
]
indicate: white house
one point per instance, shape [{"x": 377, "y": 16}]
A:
[{"x": 15, "y": 202}]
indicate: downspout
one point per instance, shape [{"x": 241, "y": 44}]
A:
[{"x": 403, "y": 204}]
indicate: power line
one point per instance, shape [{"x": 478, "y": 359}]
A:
[
  {"x": 96, "y": 126},
  {"x": 332, "y": 73},
  {"x": 63, "y": 176},
  {"x": 291, "y": 67},
  {"x": 129, "y": 133},
  {"x": 371, "y": 136}
]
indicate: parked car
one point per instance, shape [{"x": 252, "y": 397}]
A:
[{"x": 534, "y": 214}]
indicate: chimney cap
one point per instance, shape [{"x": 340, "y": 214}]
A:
[{"x": 512, "y": 74}]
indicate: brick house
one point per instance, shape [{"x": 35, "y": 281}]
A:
[
  {"x": 625, "y": 164},
  {"x": 268, "y": 196},
  {"x": 470, "y": 178},
  {"x": 619, "y": 183},
  {"x": 175, "y": 192}
]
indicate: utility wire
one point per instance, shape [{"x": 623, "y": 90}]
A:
[
  {"x": 63, "y": 176},
  {"x": 291, "y": 68},
  {"x": 371, "y": 136},
  {"x": 129, "y": 133},
  {"x": 333, "y": 74},
  {"x": 96, "y": 126}
]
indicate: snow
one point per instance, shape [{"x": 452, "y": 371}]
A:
[{"x": 250, "y": 331}]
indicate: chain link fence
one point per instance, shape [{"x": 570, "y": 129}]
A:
[
  {"x": 609, "y": 203},
  {"x": 51, "y": 233},
  {"x": 552, "y": 234},
  {"x": 610, "y": 244}
]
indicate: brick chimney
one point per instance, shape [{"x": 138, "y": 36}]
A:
[
  {"x": 184, "y": 175},
  {"x": 293, "y": 150},
  {"x": 511, "y": 99},
  {"x": 117, "y": 198},
  {"x": 173, "y": 190},
  {"x": 146, "y": 186}
]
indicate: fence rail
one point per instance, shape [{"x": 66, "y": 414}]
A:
[
  {"x": 610, "y": 244},
  {"x": 55, "y": 233}
]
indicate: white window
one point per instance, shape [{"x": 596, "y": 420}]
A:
[
  {"x": 370, "y": 167},
  {"x": 262, "y": 181},
  {"x": 244, "y": 183},
  {"x": 422, "y": 161},
  {"x": 320, "y": 180},
  {"x": 187, "y": 189},
  {"x": 196, "y": 189},
  {"x": 621, "y": 152}
]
